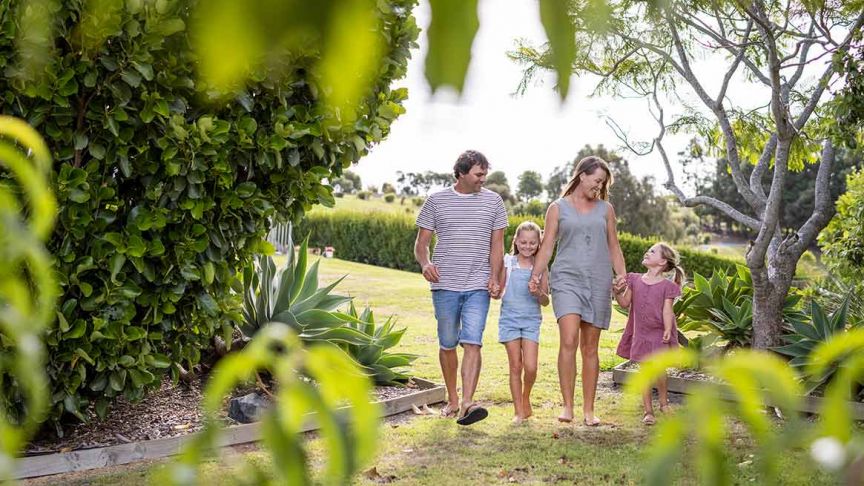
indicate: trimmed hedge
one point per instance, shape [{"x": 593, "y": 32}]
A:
[
  {"x": 387, "y": 240},
  {"x": 165, "y": 194}
]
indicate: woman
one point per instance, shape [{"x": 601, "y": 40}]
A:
[{"x": 582, "y": 222}]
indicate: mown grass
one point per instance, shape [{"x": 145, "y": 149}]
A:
[{"x": 430, "y": 450}]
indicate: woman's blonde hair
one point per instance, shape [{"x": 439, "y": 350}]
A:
[
  {"x": 587, "y": 166},
  {"x": 525, "y": 226},
  {"x": 673, "y": 262}
]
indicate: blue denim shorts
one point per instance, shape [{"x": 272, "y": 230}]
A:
[
  {"x": 461, "y": 316},
  {"x": 508, "y": 332}
]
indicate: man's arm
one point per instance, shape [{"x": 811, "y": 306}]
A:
[
  {"x": 421, "y": 254},
  {"x": 496, "y": 262}
]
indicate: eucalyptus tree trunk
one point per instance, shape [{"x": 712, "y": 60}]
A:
[{"x": 771, "y": 284}]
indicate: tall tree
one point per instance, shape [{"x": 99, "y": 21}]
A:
[
  {"x": 530, "y": 185},
  {"x": 497, "y": 182},
  {"x": 650, "y": 48}
]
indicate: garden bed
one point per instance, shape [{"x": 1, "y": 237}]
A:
[
  {"x": 159, "y": 426},
  {"x": 680, "y": 381}
]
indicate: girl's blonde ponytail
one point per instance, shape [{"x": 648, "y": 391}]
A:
[{"x": 673, "y": 262}]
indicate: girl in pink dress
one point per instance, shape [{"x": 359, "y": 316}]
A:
[{"x": 651, "y": 322}]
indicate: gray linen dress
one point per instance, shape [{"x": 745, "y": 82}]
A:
[{"x": 581, "y": 276}]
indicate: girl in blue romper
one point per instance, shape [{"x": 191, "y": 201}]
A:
[{"x": 519, "y": 326}]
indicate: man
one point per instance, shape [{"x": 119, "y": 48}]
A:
[{"x": 469, "y": 223}]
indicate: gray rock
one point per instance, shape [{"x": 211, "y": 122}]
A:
[{"x": 248, "y": 408}]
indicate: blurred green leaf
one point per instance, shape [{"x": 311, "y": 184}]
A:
[
  {"x": 559, "y": 27},
  {"x": 450, "y": 35}
]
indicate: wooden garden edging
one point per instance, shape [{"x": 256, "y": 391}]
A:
[
  {"x": 85, "y": 459},
  {"x": 677, "y": 384}
]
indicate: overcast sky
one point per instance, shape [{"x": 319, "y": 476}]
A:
[{"x": 516, "y": 133}]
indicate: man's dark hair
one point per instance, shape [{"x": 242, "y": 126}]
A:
[{"x": 467, "y": 160}]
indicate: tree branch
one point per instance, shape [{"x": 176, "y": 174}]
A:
[
  {"x": 822, "y": 207},
  {"x": 731, "y": 71},
  {"x": 731, "y": 47},
  {"x": 670, "y": 184},
  {"x": 732, "y": 156},
  {"x": 771, "y": 214},
  {"x": 759, "y": 171},
  {"x": 802, "y": 59}
]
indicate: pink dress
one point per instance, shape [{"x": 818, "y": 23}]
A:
[{"x": 644, "y": 332}]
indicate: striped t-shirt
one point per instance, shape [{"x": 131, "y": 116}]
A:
[{"x": 463, "y": 224}]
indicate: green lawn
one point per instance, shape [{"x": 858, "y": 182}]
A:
[{"x": 431, "y": 450}]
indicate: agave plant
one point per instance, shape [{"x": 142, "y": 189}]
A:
[
  {"x": 381, "y": 365},
  {"x": 803, "y": 336},
  {"x": 722, "y": 306},
  {"x": 291, "y": 295}
]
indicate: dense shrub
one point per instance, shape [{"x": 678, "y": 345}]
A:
[
  {"x": 390, "y": 197},
  {"x": 387, "y": 240},
  {"x": 363, "y": 195},
  {"x": 164, "y": 193},
  {"x": 842, "y": 240}
]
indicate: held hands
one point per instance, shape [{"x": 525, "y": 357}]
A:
[
  {"x": 534, "y": 282},
  {"x": 619, "y": 284},
  {"x": 494, "y": 288},
  {"x": 430, "y": 273},
  {"x": 533, "y": 287}
]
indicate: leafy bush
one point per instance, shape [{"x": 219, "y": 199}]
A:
[
  {"x": 363, "y": 195},
  {"x": 842, "y": 241},
  {"x": 291, "y": 295},
  {"x": 389, "y": 197},
  {"x": 164, "y": 194},
  {"x": 418, "y": 201},
  {"x": 387, "y": 240}
]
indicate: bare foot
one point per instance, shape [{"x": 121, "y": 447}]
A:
[
  {"x": 666, "y": 408},
  {"x": 449, "y": 410},
  {"x": 517, "y": 420},
  {"x": 591, "y": 421},
  {"x": 649, "y": 419},
  {"x": 566, "y": 415},
  {"x": 527, "y": 410}
]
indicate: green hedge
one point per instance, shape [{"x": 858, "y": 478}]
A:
[
  {"x": 387, "y": 240},
  {"x": 165, "y": 193}
]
